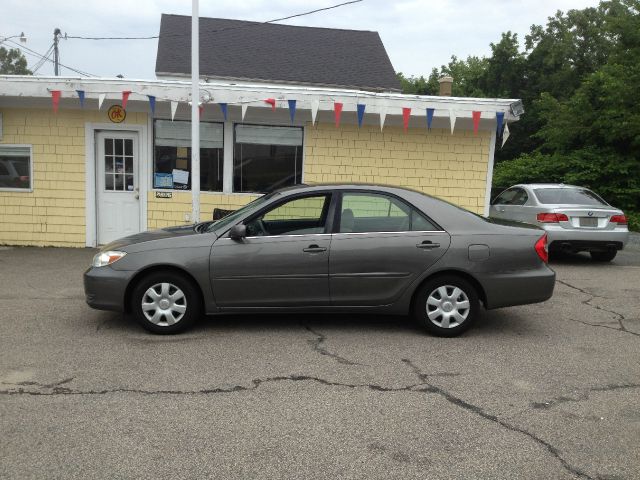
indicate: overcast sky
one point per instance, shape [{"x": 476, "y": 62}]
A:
[{"x": 418, "y": 34}]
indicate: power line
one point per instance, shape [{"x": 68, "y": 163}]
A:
[
  {"x": 43, "y": 57},
  {"x": 41, "y": 62},
  {"x": 153, "y": 37}
]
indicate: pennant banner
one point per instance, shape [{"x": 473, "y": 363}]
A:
[
  {"x": 361, "y": 108},
  {"x": 406, "y": 114},
  {"x": 55, "y": 99},
  {"x": 383, "y": 116},
  {"x": 223, "y": 108},
  {"x": 244, "y": 110},
  {"x": 505, "y": 134},
  {"x": 337, "y": 108},
  {"x": 315, "y": 104},
  {"x": 430, "y": 112},
  {"x": 125, "y": 98},
  {"x": 174, "y": 107},
  {"x": 272, "y": 102},
  {"x": 292, "y": 109},
  {"x": 476, "y": 121},
  {"x": 152, "y": 104},
  {"x": 499, "y": 121},
  {"x": 101, "y": 98},
  {"x": 81, "y": 97},
  {"x": 200, "y": 110},
  {"x": 452, "y": 120}
]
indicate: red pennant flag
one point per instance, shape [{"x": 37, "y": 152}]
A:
[
  {"x": 476, "y": 121},
  {"x": 337, "y": 108},
  {"x": 125, "y": 98},
  {"x": 200, "y": 110},
  {"x": 55, "y": 99},
  {"x": 406, "y": 113},
  {"x": 272, "y": 102}
]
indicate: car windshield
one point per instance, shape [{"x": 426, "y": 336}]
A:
[
  {"x": 568, "y": 196},
  {"x": 232, "y": 217}
]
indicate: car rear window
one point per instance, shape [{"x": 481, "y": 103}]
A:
[{"x": 568, "y": 196}]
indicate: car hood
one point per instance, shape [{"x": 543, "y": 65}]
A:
[{"x": 152, "y": 235}]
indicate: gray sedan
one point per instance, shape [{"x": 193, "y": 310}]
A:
[
  {"x": 326, "y": 248},
  {"x": 575, "y": 218}
]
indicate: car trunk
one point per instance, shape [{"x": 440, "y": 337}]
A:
[{"x": 589, "y": 218}]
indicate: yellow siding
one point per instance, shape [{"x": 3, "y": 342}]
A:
[
  {"x": 54, "y": 212},
  {"x": 452, "y": 167}
]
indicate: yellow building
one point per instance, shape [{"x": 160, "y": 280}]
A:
[{"x": 92, "y": 171}]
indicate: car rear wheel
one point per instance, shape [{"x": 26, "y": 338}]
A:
[
  {"x": 446, "y": 305},
  {"x": 165, "y": 303},
  {"x": 606, "y": 256}
]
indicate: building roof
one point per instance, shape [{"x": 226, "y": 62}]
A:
[{"x": 254, "y": 51}]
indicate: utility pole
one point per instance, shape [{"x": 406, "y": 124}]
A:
[
  {"x": 195, "y": 114},
  {"x": 56, "y": 54}
]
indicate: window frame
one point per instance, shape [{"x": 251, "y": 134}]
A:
[
  {"x": 23, "y": 190},
  {"x": 338, "y": 213},
  {"x": 233, "y": 154},
  {"x": 153, "y": 158}
]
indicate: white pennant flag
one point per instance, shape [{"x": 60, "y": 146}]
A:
[
  {"x": 452, "y": 120},
  {"x": 174, "y": 107},
  {"x": 244, "y": 110},
  {"x": 383, "y": 116},
  {"x": 315, "y": 104},
  {"x": 101, "y": 98},
  {"x": 505, "y": 134}
]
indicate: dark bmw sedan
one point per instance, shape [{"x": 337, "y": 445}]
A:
[{"x": 347, "y": 248}]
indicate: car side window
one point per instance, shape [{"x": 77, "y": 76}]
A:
[
  {"x": 520, "y": 197},
  {"x": 505, "y": 197},
  {"x": 371, "y": 212},
  {"x": 300, "y": 216}
]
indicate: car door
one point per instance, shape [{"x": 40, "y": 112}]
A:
[
  {"x": 510, "y": 205},
  {"x": 282, "y": 262},
  {"x": 380, "y": 246}
]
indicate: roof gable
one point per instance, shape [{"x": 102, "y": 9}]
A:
[{"x": 236, "y": 49}]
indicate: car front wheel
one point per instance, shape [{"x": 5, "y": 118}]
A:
[
  {"x": 165, "y": 302},
  {"x": 446, "y": 305}
]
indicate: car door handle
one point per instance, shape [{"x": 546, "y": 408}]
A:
[
  {"x": 428, "y": 245},
  {"x": 314, "y": 249}
]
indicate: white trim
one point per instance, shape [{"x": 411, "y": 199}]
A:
[
  {"x": 22, "y": 190},
  {"x": 90, "y": 130},
  {"x": 487, "y": 195},
  {"x": 304, "y": 152},
  {"x": 227, "y": 157}
]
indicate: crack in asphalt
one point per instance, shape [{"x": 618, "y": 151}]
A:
[
  {"x": 582, "y": 396},
  {"x": 493, "y": 418},
  {"x": 618, "y": 316},
  {"x": 317, "y": 342}
]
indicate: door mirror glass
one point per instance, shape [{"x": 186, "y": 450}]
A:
[{"x": 238, "y": 232}]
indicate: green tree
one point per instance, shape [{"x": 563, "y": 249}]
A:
[{"x": 12, "y": 62}]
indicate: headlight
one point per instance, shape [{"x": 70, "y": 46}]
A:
[{"x": 107, "y": 258}]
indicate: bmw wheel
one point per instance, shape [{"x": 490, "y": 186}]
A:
[
  {"x": 446, "y": 305},
  {"x": 165, "y": 302}
]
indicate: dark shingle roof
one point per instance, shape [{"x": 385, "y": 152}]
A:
[{"x": 237, "y": 49}]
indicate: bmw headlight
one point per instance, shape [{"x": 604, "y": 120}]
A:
[{"x": 107, "y": 258}]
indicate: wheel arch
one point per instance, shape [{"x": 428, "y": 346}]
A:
[{"x": 482, "y": 294}]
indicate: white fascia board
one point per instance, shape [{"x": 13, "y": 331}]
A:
[{"x": 254, "y": 95}]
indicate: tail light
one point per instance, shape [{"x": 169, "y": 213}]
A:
[
  {"x": 619, "y": 219},
  {"x": 552, "y": 217},
  {"x": 542, "y": 249}
]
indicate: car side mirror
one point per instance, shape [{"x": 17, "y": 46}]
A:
[{"x": 238, "y": 232}]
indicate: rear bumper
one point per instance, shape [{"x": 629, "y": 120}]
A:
[
  {"x": 580, "y": 239},
  {"x": 519, "y": 288},
  {"x": 104, "y": 288}
]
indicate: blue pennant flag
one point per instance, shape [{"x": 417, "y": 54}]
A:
[
  {"x": 81, "y": 97},
  {"x": 152, "y": 104},
  {"x": 430, "y": 112},
  {"x": 361, "y": 107},
  {"x": 223, "y": 107},
  {"x": 500, "y": 121},
  {"x": 292, "y": 109}
]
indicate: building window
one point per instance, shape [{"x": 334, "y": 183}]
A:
[
  {"x": 172, "y": 155},
  {"x": 266, "y": 158},
  {"x": 15, "y": 167}
]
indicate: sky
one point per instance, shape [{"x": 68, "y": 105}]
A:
[{"x": 418, "y": 34}]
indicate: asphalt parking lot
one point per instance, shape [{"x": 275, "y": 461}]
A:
[{"x": 542, "y": 391}]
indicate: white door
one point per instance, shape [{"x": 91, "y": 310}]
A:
[{"x": 117, "y": 185}]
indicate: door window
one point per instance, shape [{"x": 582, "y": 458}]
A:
[
  {"x": 300, "y": 216},
  {"x": 118, "y": 164},
  {"x": 371, "y": 212},
  {"x": 513, "y": 196}
]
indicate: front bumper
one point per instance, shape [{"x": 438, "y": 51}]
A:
[
  {"x": 104, "y": 288},
  {"x": 582, "y": 239}
]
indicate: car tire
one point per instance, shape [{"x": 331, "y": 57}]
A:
[
  {"x": 446, "y": 305},
  {"x": 166, "y": 302},
  {"x": 605, "y": 256}
]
